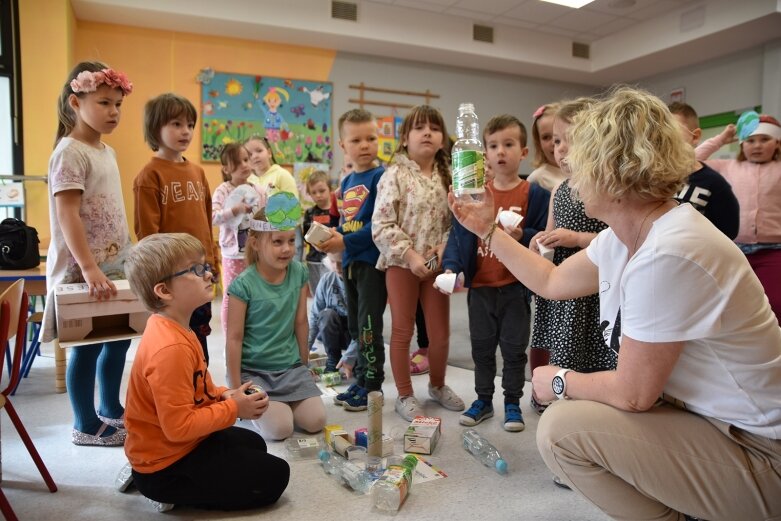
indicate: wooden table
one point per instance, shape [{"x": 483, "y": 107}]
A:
[{"x": 35, "y": 286}]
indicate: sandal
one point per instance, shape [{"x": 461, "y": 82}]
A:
[{"x": 418, "y": 363}]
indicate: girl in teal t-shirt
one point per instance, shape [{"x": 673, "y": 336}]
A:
[{"x": 267, "y": 331}]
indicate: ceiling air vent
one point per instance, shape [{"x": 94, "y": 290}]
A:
[
  {"x": 580, "y": 50},
  {"x": 482, "y": 33},
  {"x": 344, "y": 11}
]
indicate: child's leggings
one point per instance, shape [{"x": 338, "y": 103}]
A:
[
  {"x": 107, "y": 362},
  {"x": 767, "y": 265},
  {"x": 229, "y": 470},
  {"x": 404, "y": 290},
  {"x": 231, "y": 268}
]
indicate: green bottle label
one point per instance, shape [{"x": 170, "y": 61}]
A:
[{"x": 468, "y": 170}]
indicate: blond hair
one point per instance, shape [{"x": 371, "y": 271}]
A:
[
  {"x": 628, "y": 144},
  {"x": 154, "y": 258},
  {"x": 318, "y": 176}
]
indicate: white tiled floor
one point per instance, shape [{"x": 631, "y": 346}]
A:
[{"x": 85, "y": 474}]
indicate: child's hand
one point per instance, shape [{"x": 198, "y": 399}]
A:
[
  {"x": 417, "y": 264},
  {"x": 533, "y": 243},
  {"x": 99, "y": 285},
  {"x": 346, "y": 368},
  {"x": 728, "y": 135},
  {"x": 561, "y": 237},
  {"x": 333, "y": 245},
  {"x": 252, "y": 406}
]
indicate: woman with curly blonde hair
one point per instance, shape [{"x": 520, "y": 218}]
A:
[{"x": 691, "y": 322}]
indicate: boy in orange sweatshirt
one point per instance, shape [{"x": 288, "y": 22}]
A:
[{"x": 181, "y": 442}]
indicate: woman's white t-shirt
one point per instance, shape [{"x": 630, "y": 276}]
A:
[{"x": 688, "y": 282}]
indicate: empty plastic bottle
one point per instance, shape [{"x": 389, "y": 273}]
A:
[
  {"x": 390, "y": 491},
  {"x": 467, "y": 156},
  {"x": 484, "y": 451},
  {"x": 304, "y": 448},
  {"x": 346, "y": 472}
]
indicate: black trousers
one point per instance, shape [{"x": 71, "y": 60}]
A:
[
  {"x": 229, "y": 470},
  {"x": 366, "y": 299}
]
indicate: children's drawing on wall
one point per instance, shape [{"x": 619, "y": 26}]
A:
[
  {"x": 387, "y": 136},
  {"x": 294, "y": 115},
  {"x": 301, "y": 173}
]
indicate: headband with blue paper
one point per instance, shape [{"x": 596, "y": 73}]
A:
[
  {"x": 283, "y": 211},
  {"x": 750, "y": 124}
]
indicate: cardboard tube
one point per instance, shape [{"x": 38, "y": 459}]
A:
[{"x": 374, "y": 438}]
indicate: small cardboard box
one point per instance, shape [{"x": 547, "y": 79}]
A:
[
  {"x": 81, "y": 317},
  {"x": 422, "y": 435}
]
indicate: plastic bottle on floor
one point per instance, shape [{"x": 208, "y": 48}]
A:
[
  {"x": 484, "y": 451},
  {"x": 304, "y": 448},
  {"x": 344, "y": 471},
  {"x": 390, "y": 491}
]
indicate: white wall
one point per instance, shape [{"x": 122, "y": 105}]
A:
[
  {"x": 733, "y": 82},
  {"x": 491, "y": 93}
]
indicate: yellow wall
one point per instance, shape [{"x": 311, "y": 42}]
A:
[
  {"x": 46, "y": 41},
  {"x": 156, "y": 62}
]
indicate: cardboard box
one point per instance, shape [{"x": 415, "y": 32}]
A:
[
  {"x": 85, "y": 319},
  {"x": 422, "y": 435}
]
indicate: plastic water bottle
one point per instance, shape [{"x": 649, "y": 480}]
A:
[
  {"x": 345, "y": 472},
  {"x": 390, "y": 491},
  {"x": 304, "y": 448},
  {"x": 331, "y": 379},
  {"x": 484, "y": 451},
  {"x": 467, "y": 155}
]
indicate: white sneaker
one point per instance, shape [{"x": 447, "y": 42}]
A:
[
  {"x": 446, "y": 397},
  {"x": 125, "y": 478},
  {"x": 161, "y": 507},
  {"x": 408, "y": 407}
]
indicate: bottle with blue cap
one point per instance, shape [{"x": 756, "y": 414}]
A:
[
  {"x": 484, "y": 451},
  {"x": 345, "y": 471}
]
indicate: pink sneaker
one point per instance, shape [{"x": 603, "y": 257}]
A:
[{"x": 418, "y": 363}]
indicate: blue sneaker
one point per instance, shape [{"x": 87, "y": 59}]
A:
[
  {"x": 479, "y": 411},
  {"x": 513, "y": 419},
  {"x": 340, "y": 398},
  {"x": 358, "y": 401}
]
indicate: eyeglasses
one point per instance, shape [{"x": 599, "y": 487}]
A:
[{"x": 199, "y": 270}]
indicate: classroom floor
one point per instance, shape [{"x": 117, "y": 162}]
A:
[{"x": 85, "y": 475}]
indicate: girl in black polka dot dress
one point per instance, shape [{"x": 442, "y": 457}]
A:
[{"x": 568, "y": 330}]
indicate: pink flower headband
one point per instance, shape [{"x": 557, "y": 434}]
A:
[
  {"x": 88, "y": 81},
  {"x": 539, "y": 112}
]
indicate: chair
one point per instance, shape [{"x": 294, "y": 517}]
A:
[{"x": 13, "y": 314}]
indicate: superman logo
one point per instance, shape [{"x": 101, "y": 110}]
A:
[{"x": 353, "y": 200}]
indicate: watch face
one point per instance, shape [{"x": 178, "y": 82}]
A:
[{"x": 558, "y": 385}]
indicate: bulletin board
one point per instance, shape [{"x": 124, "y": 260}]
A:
[{"x": 294, "y": 115}]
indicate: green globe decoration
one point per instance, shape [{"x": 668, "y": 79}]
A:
[
  {"x": 283, "y": 210},
  {"x": 747, "y": 123}
]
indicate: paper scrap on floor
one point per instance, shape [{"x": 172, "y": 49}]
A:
[{"x": 426, "y": 471}]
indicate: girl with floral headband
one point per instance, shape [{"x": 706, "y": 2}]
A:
[
  {"x": 268, "y": 329},
  {"x": 89, "y": 239}
]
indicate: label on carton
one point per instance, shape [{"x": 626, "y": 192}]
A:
[{"x": 422, "y": 435}]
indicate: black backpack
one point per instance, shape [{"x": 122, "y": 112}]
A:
[{"x": 18, "y": 245}]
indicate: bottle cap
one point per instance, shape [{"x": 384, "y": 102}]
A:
[
  {"x": 323, "y": 455},
  {"x": 466, "y": 107},
  {"x": 501, "y": 466}
]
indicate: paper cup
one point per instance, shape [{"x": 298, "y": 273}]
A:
[
  {"x": 545, "y": 251},
  {"x": 449, "y": 282},
  {"x": 508, "y": 218}
]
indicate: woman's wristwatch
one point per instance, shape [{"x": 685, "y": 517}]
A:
[{"x": 559, "y": 384}]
